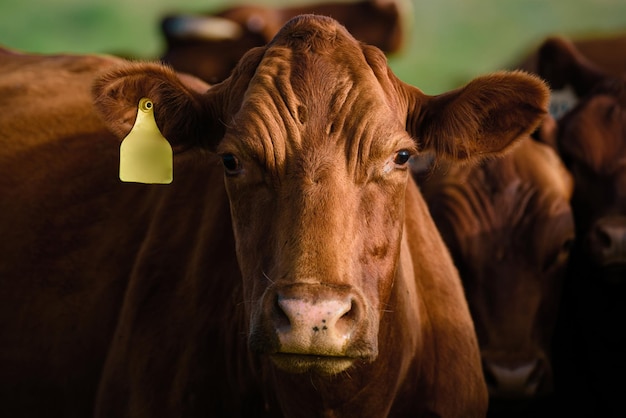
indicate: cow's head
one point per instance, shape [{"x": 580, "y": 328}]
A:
[
  {"x": 315, "y": 134},
  {"x": 509, "y": 226},
  {"x": 591, "y": 139}
]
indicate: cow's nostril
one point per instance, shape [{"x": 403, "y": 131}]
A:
[
  {"x": 352, "y": 312},
  {"x": 607, "y": 240},
  {"x": 281, "y": 319},
  {"x": 349, "y": 317}
]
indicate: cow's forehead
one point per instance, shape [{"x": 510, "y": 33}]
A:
[
  {"x": 314, "y": 33},
  {"x": 316, "y": 65},
  {"x": 540, "y": 165},
  {"x": 314, "y": 89}
]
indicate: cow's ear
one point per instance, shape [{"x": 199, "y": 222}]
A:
[
  {"x": 561, "y": 64},
  {"x": 179, "y": 108},
  {"x": 483, "y": 118}
]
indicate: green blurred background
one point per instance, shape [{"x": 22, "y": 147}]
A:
[{"x": 451, "y": 40}]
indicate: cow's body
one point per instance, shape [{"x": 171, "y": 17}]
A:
[
  {"x": 591, "y": 138},
  {"x": 210, "y": 45},
  {"x": 509, "y": 227},
  {"x": 286, "y": 287}
]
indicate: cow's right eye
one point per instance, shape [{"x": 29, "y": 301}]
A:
[
  {"x": 560, "y": 256},
  {"x": 231, "y": 164},
  {"x": 402, "y": 157}
]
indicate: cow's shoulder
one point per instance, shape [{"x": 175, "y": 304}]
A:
[{"x": 39, "y": 94}]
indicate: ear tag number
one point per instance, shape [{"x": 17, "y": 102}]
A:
[{"x": 145, "y": 155}]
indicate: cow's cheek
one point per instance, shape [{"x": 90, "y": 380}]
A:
[
  {"x": 381, "y": 235},
  {"x": 250, "y": 229}
]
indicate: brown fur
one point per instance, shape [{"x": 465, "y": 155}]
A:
[
  {"x": 591, "y": 136},
  {"x": 509, "y": 226},
  {"x": 591, "y": 139},
  {"x": 182, "y": 282}
]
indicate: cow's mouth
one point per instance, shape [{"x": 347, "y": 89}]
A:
[{"x": 301, "y": 363}]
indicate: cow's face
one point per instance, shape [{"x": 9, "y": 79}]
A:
[
  {"x": 315, "y": 133},
  {"x": 315, "y": 160},
  {"x": 592, "y": 139},
  {"x": 316, "y": 169},
  {"x": 509, "y": 226}
]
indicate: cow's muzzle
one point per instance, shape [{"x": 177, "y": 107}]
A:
[
  {"x": 517, "y": 380},
  {"x": 315, "y": 327},
  {"x": 607, "y": 242}
]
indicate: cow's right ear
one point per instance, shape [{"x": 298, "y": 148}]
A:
[
  {"x": 483, "y": 118},
  {"x": 178, "y": 101}
]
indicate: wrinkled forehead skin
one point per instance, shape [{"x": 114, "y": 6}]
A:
[
  {"x": 501, "y": 189},
  {"x": 539, "y": 164},
  {"x": 316, "y": 83}
]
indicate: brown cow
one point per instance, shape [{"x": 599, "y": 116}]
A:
[
  {"x": 210, "y": 45},
  {"x": 591, "y": 138},
  {"x": 606, "y": 52},
  {"x": 557, "y": 60},
  {"x": 305, "y": 277},
  {"x": 509, "y": 227}
]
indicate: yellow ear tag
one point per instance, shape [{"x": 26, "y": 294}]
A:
[{"x": 145, "y": 155}]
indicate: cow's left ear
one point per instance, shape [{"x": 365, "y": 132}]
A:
[
  {"x": 483, "y": 118},
  {"x": 177, "y": 101}
]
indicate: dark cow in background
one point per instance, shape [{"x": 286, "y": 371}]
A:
[
  {"x": 591, "y": 139},
  {"x": 605, "y": 52},
  {"x": 210, "y": 45},
  {"x": 292, "y": 267},
  {"x": 509, "y": 227},
  {"x": 556, "y": 59}
]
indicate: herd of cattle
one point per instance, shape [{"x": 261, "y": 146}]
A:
[{"x": 335, "y": 242}]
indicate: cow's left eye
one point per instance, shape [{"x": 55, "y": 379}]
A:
[
  {"x": 402, "y": 157},
  {"x": 560, "y": 256},
  {"x": 231, "y": 164}
]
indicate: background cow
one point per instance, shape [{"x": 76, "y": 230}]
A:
[
  {"x": 509, "y": 227},
  {"x": 591, "y": 138},
  {"x": 606, "y": 52},
  {"x": 302, "y": 276},
  {"x": 209, "y": 46}
]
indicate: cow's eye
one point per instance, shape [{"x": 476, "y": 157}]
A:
[
  {"x": 560, "y": 256},
  {"x": 402, "y": 157},
  {"x": 231, "y": 164}
]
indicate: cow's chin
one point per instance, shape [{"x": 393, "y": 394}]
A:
[{"x": 302, "y": 363}]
